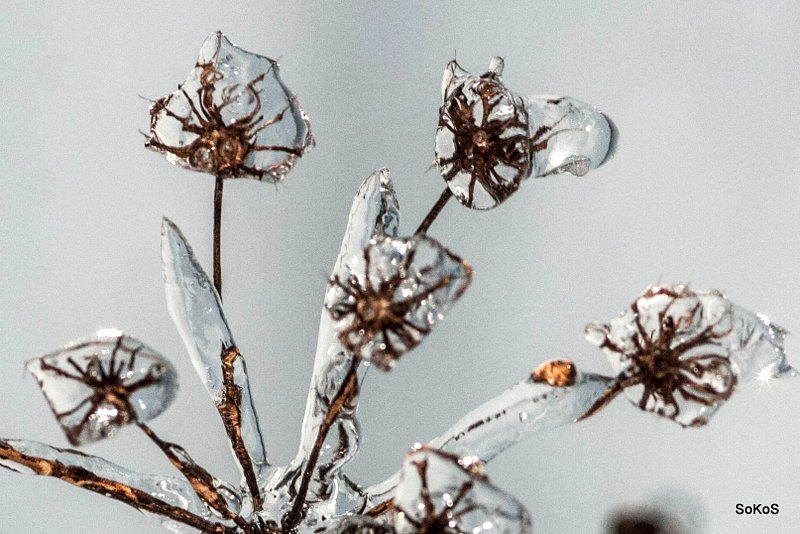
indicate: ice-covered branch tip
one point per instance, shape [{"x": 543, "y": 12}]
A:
[
  {"x": 680, "y": 353},
  {"x": 375, "y": 213},
  {"x": 490, "y": 138},
  {"x": 389, "y": 296},
  {"x": 232, "y": 117},
  {"x": 97, "y": 385},
  {"x": 197, "y": 312}
]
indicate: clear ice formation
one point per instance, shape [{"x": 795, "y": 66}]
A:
[
  {"x": 676, "y": 352},
  {"x": 440, "y": 492},
  {"x": 390, "y": 295},
  {"x": 152, "y": 493},
  {"x": 375, "y": 214},
  {"x": 232, "y": 117},
  {"x": 490, "y": 138},
  {"x": 97, "y": 385},
  {"x": 680, "y": 353},
  {"x": 196, "y": 310}
]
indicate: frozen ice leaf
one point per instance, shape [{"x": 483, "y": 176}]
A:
[
  {"x": 553, "y": 395},
  {"x": 232, "y": 117},
  {"x": 681, "y": 353},
  {"x": 97, "y": 385},
  {"x": 388, "y": 297},
  {"x": 171, "y": 499},
  {"x": 197, "y": 312},
  {"x": 375, "y": 213},
  {"x": 490, "y": 138},
  {"x": 439, "y": 492}
]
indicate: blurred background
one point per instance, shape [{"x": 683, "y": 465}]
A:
[{"x": 702, "y": 190}]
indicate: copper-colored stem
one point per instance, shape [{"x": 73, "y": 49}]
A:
[
  {"x": 202, "y": 481},
  {"x": 344, "y": 396},
  {"x": 83, "y": 478},
  {"x": 435, "y": 210},
  {"x": 231, "y": 413},
  {"x": 217, "y": 231}
]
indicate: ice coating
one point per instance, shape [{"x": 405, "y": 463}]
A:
[
  {"x": 439, "y": 492},
  {"x": 97, "y": 385},
  {"x": 490, "y": 138},
  {"x": 525, "y": 408},
  {"x": 571, "y": 136},
  {"x": 375, "y": 213},
  {"x": 195, "y": 307},
  {"x": 387, "y": 298},
  {"x": 681, "y": 353},
  {"x": 170, "y": 498},
  {"x": 232, "y": 117}
]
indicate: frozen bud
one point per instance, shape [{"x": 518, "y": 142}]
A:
[{"x": 558, "y": 373}]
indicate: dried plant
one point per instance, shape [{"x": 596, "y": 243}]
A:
[{"x": 677, "y": 353}]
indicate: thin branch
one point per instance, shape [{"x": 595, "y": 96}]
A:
[
  {"x": 435, "y": 210},
  {"x": 217, "y": 232}
]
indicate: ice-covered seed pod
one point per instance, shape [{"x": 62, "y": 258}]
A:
[
  {"x": 97, "y": 385},
  {"x": 490, "y": 138},
  {"x": 680, "y": 353},
  {"x": 232, "y": 117},
  {"x": 389, "y": 296}
]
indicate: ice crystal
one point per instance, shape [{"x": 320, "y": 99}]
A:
[
  {"x": 97, "y": 385},
  {"x": 681, "y": 353},
  {"x": 232, "y": 117},
  {"x": 490, "y": 138}
]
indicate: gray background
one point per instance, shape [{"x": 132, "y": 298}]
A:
[{"x": 703, "y": 190}]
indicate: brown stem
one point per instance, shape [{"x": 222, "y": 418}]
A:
[
  {"x": 83, "y": 478},
  {"x": 202, "y": 482},
  {"x": 435, "y": 210},
  {"x": 217, "y": 228},
  {"x": 344, "y": 396},
  {"x": 230, "y": 410}
]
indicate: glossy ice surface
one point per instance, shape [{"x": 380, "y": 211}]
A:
[
  {"x": 97, "y": 385},
  {"x": 232, "y": 117},
  {"x": 387, "y": 297},
  {"x": 681, "y": 353},
  {"x": 490, "y": 138}
]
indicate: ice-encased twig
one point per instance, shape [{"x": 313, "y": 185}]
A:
[
  {"x": 170, "y": 498},
  {"x": 197, "y": 312},
  {"x": 218, "y": 495},
  {"x": 523, "y": 409},
  {"x": 375, "y": 213}
]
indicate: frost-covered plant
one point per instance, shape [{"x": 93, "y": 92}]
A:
[{"x": 676, "y": 352}]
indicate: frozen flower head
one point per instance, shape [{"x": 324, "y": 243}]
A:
[
  {"x": 680, "y": 353},
  {"x": 482, "y": 146},
  {"x": 443, "y": 493},
  {"x": 232, "y": 117},
  {"x": 387, "y": 298},
  {"x": 489, "y": 138},
  {"x": 97, "y": 385}
]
